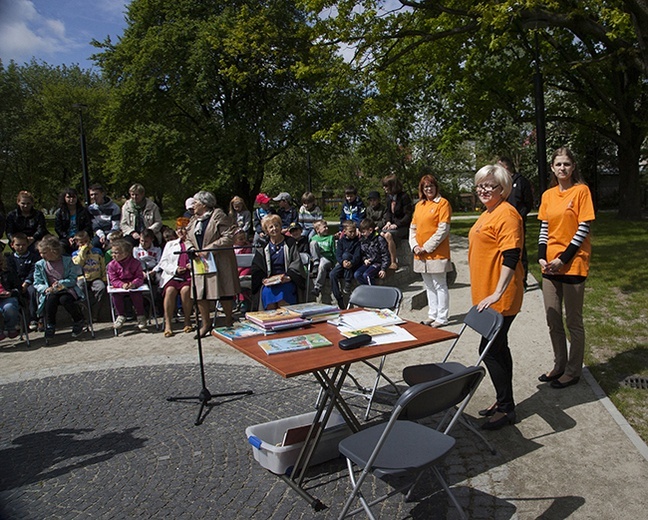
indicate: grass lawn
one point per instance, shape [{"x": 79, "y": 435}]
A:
[{"x": 616, "y": 308}]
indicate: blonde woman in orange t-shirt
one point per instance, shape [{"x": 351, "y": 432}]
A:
[
  {"x": 429, "y": 239},
  {"x": 564, "y": 251},
  {"x": 496, "y": 275}
]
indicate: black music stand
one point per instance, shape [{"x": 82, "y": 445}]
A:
[{"x": 205, "y": 395}]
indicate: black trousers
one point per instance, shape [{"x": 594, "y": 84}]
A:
[
  {"x": 52, "y": 302},
  {"x": 499, "y": 363}
]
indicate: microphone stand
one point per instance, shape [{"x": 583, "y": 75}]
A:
[{"x": 205, "y": 395}]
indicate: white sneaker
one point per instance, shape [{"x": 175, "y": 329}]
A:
[
  {"x": 141, "y": 322},
  {"x": 119, "y": 322}
]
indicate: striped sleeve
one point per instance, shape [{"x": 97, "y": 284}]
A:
[
  {"x": 576, "y": 242},
  {"x": 542, "y": 240}
]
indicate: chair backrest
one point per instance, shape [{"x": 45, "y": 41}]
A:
[
  {"x": 376, "y": 296},
  {"x": 426, "y": 399},
  {"x": 305, "y": 258},
  {"x": 487, "y": 323},
  {"x": 244, "y": 259}
]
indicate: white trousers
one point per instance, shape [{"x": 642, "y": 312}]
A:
[{"x": 436, "y": 287}]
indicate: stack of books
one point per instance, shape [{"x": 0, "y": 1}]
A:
[
  {"x": 276, "y": 319},
  {"x": 315, "y": 312}
]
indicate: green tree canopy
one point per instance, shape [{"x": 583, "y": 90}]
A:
[
  {"x": 39, "y": 129},
  {"x": 206, "y": 94},
  {"x": 472, "y": 63}
]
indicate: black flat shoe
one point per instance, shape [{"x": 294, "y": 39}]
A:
[
  {"x": 544, "y": 378},
  {"x": 558, "y": 384},
  {"x": 509, "y": 418},
  {"x": 487, "y": 412}
]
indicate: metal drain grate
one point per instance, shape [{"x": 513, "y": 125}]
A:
[{"x": 636, "y": 382}]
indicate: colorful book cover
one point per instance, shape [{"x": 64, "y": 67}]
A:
[
  {"x": 239, "y": 330},
  {"x": 205, "y": 264},
  {"x": 271, "y": 315},
  {"x": 303, "y": 342},
  {"x": 376, "y": 330}
]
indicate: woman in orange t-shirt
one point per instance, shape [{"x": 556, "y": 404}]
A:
[
  {"x": 496, "y": 275},
  {"x": 564, "y": 251},
  {"x": 429, "y": 239}
]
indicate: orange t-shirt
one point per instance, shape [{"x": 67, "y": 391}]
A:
[
  {"x": 427, "y": 216},
  {"x": 564, "y": 210},
  {"x": 492, "y": 234}
]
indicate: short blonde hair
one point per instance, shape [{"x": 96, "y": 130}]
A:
[
  {"x": 265, "y": 222},
  {"x": 500, "y": 175},
  {"x": 50, "y": 243}
]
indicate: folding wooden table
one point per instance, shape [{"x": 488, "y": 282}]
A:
[{"x": 330, "y": 366}]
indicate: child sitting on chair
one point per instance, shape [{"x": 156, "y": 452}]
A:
[
  {"x": 55, "y": 279},
  {"x": 148, "y": 255},
  {"x": 91, "y": 260},
  {"x": 375, "y": 254},
  {"x": 125, "y": 272},
  {"x": 9, "y": 307},
  {"x": 23, "y": 261},
  {"x": 349, "y": 257},
  {"x": 322, "y": 251}
]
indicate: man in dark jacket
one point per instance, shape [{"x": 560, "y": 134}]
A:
[{"x": 521, "y": 198}]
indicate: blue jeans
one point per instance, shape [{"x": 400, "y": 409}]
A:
[
  {"x": 365, "y": 274},
  {"x": 10, "y": 311}
]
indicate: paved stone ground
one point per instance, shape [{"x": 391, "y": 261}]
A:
[
  {"x": 105, "y": 444},
  {"x": 86, "y": 432}
]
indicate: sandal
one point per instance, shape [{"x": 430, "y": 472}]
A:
[
  {"x": 168, "y": 333},
  {"x": 188, "y": 329}
]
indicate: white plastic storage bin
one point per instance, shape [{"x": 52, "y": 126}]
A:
[{"x": 266, "y": 437}]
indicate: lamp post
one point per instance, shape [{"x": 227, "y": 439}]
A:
[
  {"x": 84, "y": 154},
  {"x": 541, "y": 124}
]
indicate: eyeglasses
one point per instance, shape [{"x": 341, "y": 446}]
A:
[
  {"x": 430, "y": 187},
  {"x": 486, "y": 188}
]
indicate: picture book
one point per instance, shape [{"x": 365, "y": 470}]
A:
[
  {"x": 376, "y": 330},
  {"x": 312, "y": 308},
  {"x": 205, "y": 264},
  {"x": 280, "y": 314},
  {"x": 239, "y": 330},
  {"x": 303, "y": 342},
  {"x": 364, "y": 318},
  {"x": 275, "y": 279}
]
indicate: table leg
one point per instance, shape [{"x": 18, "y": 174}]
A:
[{"x": 332, "y": 398}]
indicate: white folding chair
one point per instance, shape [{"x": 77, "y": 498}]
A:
[
  {"x": 487, "y": 323},
  {"x": 402, "y": 447},
  {"x": 146, "y": 291}
]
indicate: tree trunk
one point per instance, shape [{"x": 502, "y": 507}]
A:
[
  {"x": 628, "y": 156},
  {"x": 629, "y": 188}
]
